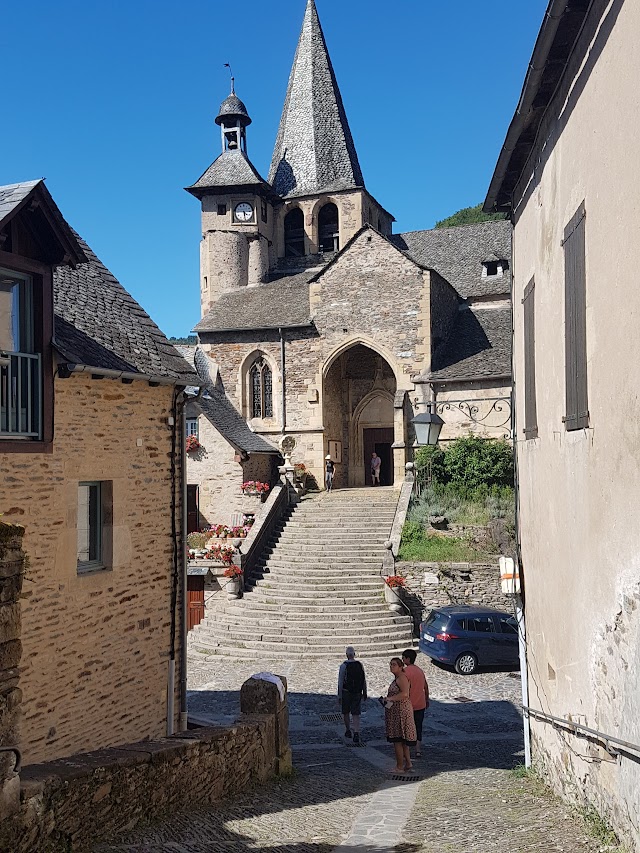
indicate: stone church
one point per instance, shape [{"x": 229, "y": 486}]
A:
[{"x": 318, "y": 322}]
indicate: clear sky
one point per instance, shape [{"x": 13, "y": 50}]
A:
[{"x": 113, "y": 103}]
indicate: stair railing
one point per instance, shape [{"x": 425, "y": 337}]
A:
[{"x": 392, "y": 545}]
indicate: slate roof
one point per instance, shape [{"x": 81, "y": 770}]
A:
[
  {"x": 479, "y": 345},
  {"x": 314, "y": 150},
  {"x": 231, "y": 169},
  {"x": 457, "y": 254},
  {"x": 98, "y": 324},
  {"x": 12, "y": 194},
  {"x": 279, "y": 304},
  {"x": 220, "y": 411},
  {"x": 233, "y": 107}
]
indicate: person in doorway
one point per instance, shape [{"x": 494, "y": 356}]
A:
[
  {"x": 376, "y": 462},
  {"x": 329, "y": 471},
  {"x": 398, "y": 717},
  {"x": 352, "y": 692},
  {"x": 418, "y": 693}
]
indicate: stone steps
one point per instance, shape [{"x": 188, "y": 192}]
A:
[
  {"x": 299, "y": 650},
  {"x": 262, "y": 620}
]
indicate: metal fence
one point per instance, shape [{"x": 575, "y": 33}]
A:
[{"x": 20, "y": 395}]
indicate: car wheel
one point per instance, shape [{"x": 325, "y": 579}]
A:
[{"x": 466, "y": 664}]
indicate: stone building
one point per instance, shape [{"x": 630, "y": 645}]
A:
[
  {"x": 569, "y": 176},
  {"x": 321, "y": 323},
  {"x": 90, "y": 453}
]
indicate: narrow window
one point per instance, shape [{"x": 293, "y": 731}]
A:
[
  {"x": 328, "y": 228},
  {"x": 261, "y": 389},
  {"x": 94, "y": 526},
  {"x": 530, "y": 411},
  {"x": 294, "y": 234},
  {"x": 192, "y": 427},
  {"x": 264, "y": 210},
  {"x": 575, "y": 321},
  {"x": 222, "y": 210}
]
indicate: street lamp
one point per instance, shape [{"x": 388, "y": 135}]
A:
[{"x": 427, "y": 426}]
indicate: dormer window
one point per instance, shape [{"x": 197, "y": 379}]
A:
[{"x": 493, "y": 267}]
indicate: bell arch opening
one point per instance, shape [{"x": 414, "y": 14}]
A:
[
  {"x": 294, "y": 233},
  {"x": 358, "y": 415}
]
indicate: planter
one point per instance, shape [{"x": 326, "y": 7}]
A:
[
  {"x": 392, "y": 596},
  {"x": 232, "y": 588}
]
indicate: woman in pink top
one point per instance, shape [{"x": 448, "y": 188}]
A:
[{"x": 418, "y": 692}]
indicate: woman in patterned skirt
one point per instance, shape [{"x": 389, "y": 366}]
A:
[{"x": 398, "y": 717}]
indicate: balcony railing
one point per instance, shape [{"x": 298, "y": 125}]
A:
[{"x": 20, "y": 395}]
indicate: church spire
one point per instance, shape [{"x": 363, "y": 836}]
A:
[{"x": 314, "y": 150}]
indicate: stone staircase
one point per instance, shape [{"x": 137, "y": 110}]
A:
[{"x": 318, "y": 588}]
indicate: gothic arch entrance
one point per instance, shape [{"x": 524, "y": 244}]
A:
[{"x": 358, "y": 415}]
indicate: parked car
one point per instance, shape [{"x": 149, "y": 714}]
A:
[{"x": 467, "y": 637}]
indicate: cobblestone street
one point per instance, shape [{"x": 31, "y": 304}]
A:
[{"x": 464, "y": 795}]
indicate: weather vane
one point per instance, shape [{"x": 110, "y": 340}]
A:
[{"x": 233, "y": 79}]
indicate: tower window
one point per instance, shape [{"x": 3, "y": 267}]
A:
[
  {"x": 222, "y": 210},
  {"x": 261, "y": 389},
  {"x": 329, "y": 228},
  {"x": 294, "y": 234},
  {"x": 264, "y": 210}
]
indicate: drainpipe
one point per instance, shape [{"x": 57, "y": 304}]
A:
[{"x": 284, "y": 387}]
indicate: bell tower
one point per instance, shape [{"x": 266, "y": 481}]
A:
[{"x": 237, "y": 212}]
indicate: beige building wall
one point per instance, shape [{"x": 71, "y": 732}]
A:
[
  {"x": 95, "y": 646},
  {"x": 580, "y": 490}
]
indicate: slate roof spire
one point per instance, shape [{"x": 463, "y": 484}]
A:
[{"x": 314, "y": 150}]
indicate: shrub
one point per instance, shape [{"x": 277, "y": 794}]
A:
[
  {"x": 198, "y": 541},
  {"x": 471, "y": 462},
  {"x": 431, "y": 459}
]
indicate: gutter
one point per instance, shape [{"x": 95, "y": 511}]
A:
[
  {"x": 537, "y": 65},
  {"x": 284, "y": 384},
  {"x": 68, "y": 369}
]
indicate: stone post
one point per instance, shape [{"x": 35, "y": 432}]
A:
[
  {"x": 12, "y": 567},
  {"x": 262, "y": 697}
]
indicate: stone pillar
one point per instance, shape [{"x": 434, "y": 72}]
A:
[
  {"x": 263, "y": 697},
  {"x": 12, "y": 566}
]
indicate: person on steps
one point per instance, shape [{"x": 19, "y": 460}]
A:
[
  {"x": 376, "y": 462},
  {"x": 398, "y": 717},
  {"x": 329, "y": 471},
  {"x": 352, "y": 691},
  {"x": 418, "y": 693}
]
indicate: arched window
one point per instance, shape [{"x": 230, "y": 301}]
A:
[
  {"x": 329, "y": 228},
  {"x": 261, "y": 389},
  {"x": 294, "y": 233}
]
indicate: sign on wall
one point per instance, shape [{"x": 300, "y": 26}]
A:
[{"x": 335, "y": 450}]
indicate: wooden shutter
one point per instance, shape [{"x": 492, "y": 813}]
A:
[
  {"x": 577, "y": 409},
  {"x": 530, "y": 411}
]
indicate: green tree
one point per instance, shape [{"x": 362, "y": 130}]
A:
[{"x": 469, "y": 216}]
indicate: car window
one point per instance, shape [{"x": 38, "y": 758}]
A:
[
  {"x": 437, "y": 621},
  {"x": 508, "y": 625},
  {"x": 482, "y": 624}
]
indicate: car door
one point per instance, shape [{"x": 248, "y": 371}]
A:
[
  {"x": 482, "y": 634},
  {"x": 508, "y": 639}
]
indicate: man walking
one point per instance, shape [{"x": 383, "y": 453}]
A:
[
  {"x": 376, "y": 462},
  {"x": 418, "y": 693},
  {"x": 329, "y": 471},
  {"x": 352, "y": 691}
]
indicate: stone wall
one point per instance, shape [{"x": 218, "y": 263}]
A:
[
  {"x": 431, "y": 585},
  {"x": 72, "y": 804},
  {"x": 89, "y": 639},
  {"x": 12, "y": 567}
]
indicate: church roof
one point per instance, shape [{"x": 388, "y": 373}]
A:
[
  {"x": 233, "y": 107},
  {"x": 314, "y": 150},
  {"x": 220, "y": 411},
  {"x": 458, "y": 253},
  {"x": 232, "y": 168},
  {"x": 479, "y": 345}
]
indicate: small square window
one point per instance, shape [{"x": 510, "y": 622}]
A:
[
  {"x": 94, "y": 526},
  {"x": 192, "y": 427},
  {"x": 491, "y": 268},
  {"x": 222, "y": 210}
]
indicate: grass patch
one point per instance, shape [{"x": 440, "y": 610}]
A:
[
  {"x": 598, "y": 828},
  {"x": 431, "y": 548}
]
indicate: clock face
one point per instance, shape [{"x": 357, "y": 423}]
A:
[{"x": 243, "y": 212}]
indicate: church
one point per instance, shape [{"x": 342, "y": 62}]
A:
[{"x": 321, "y": 324}]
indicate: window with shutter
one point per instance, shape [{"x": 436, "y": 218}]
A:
[
  {"x": 530, "y": 411},
  {"x": 575, "y": 321}
]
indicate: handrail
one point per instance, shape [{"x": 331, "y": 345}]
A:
[
  {"x": 392, "y": 545},
  {"x": 17, "y": 767},
  {"x": 579, "y": 727},
  {"x": 273, "y": 510}
]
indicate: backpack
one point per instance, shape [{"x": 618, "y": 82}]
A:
[{"x": 353, "y": 677}]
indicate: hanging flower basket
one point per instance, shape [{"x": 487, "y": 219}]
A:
[{"x": 192, "y": 444}]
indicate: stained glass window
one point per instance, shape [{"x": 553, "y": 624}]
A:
[{"x": 261, "y": 387}]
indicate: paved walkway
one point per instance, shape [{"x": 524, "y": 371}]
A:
[{"x": 463, "y": 796}]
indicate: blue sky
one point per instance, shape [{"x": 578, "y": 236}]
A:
[{"x": 113, "y": 103}]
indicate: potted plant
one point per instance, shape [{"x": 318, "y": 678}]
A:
[
  {"x": 234, "y": 581},
  {"x": 192, "y": 444},
  {"x": 393, "y": 587}
]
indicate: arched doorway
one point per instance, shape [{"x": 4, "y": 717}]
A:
[{"x": 358, "y": 415}]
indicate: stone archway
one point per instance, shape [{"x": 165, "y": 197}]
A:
[{"x": 358, "y": 413}]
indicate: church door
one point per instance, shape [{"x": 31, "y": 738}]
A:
[{"x": 380, "y": 441}]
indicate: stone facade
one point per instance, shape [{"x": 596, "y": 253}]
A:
[
  {"x": 89, "y": 639},
  {"x": 71, "y": 805},
  {"x": 12, "y": 568}
]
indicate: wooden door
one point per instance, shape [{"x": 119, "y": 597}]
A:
[{"x": 195, "y": 601}]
